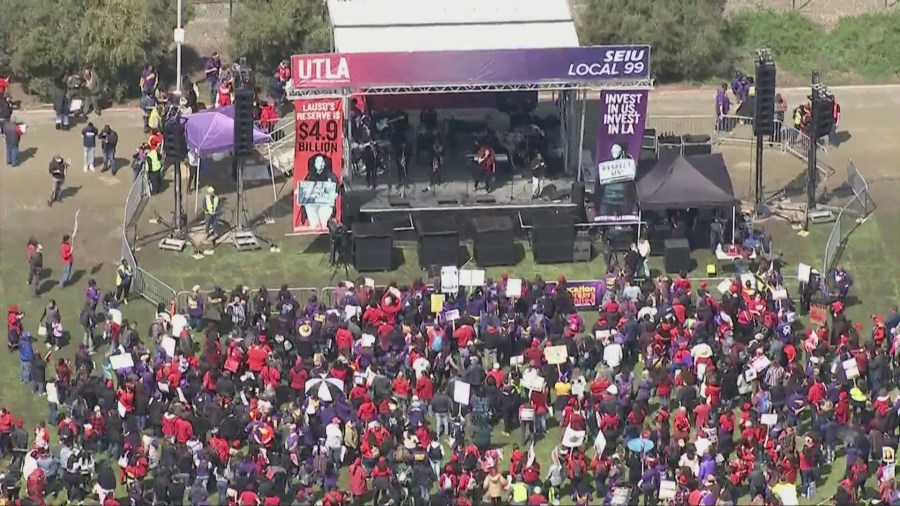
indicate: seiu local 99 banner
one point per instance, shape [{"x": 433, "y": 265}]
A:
[{"x": 318, "y": 163}]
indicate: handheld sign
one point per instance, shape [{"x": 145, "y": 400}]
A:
[{"x": 556, "y": 354}]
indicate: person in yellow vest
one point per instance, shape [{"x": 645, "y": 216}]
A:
[
  {"x": 153, "y": 166},
  {"x": 210, "y": 211},
  {"x": 123, "y": 281},
  {"x": 518, "y": 492}
]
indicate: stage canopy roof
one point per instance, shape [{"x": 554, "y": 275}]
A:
[
  {"x": 384, "y": 26},
  {"x": 683, "y": 182}
]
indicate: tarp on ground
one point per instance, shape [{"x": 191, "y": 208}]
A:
[
  {"x": 682, "y": 182},
  {"x": 212, "y": 131}
]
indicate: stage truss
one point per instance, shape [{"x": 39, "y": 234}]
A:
[{"x": 566, "y": 94}]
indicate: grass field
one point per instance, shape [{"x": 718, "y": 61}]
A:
[{"x": 301, "y": 264}]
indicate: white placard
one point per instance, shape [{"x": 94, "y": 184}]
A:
[
  {"x": 115, "y": 315},
  {"x": 121, "y": 361},
  {"x": 163, "y": 387},
  {"x": 724, "y": 286},
  {"x": 803, "y": 272},
  {"x": 667, "y": 490},
  {"x": 599, "y": 443},
  {"x": 461, "y": 392},
  {"x": 514, "y": 288},
  {"x": 452, "y": 315},
  {"x": 516, "y": 360},
  {"x": 556, "y": 354},
  {"x": 616, "y": 171},
  {"x": 573, "y": 438},
  {"x": 370, "y": 282},
  {"x": 779, "y": 294},
  {"x": 52, "y": 393},
  {"x": 769, "y": 419},
  {"x": 168, "y": 344},
  {"x": 471, "y": 277},
  {"x": 121, "y": 409},
  {"x": 449, "y": 279},
  {"x": 851, "y": 368},
  {"x": 179, "y": 324},
  {"x": 533, "y": 382}
]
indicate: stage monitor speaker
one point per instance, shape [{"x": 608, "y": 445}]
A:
[
  {"x": 398, "y": 201},
  {"x": 764, "y": 122},
  {"x": 494, "y": 242},
  {"x": 373, "y": 247},
  {"x": 677, "y": 255},
  {"x": 485, "y": 199}
]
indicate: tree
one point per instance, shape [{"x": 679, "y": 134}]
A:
[
  {"x": 48, "y": 40},
  {"x": 687, "y": 37},
  {"x": 268, "y": 31}
]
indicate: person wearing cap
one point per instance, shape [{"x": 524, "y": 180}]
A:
[{"x": 210, "y": 211}]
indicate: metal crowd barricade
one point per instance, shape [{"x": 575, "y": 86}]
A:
[
  {"x": 152, "y": 288},
  {"x": 181, "y": 299},
  {"x": 862, "y": 204},
  {"x": 679, "y": 125}
]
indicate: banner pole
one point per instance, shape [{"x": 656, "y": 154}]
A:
[{"x": 578, "y": 175}]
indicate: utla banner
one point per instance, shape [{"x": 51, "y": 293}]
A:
[
  {"x": 318, "y": 163},
  {"x": 623, "y": 117}
]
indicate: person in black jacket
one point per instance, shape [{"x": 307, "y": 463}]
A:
[
  {"x": 61, "y": 106},
  {"x": 109, "y": 139}
]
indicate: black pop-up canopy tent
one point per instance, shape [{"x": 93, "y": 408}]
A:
[{"x": 686, "y": 182}]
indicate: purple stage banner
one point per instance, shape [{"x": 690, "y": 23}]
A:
[
  {"x": 623, "y": 116},
  {"x": 585, "y": 294},
  {"x": 441, "y": 68}
]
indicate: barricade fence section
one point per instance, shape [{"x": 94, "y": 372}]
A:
[
  {"x": 135, "y": 201},
  {"x": 152, "y": 288},
  {"x": 862, "y": 204}
]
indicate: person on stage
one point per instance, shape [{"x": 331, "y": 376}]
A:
[
  {"x": 486, "y": 162},
  {"x": 437, "y": 161},
  {"x": 402, "y": 165},
  {"x": 538, "y": 170},
  {"x": 370, "y": 162}
]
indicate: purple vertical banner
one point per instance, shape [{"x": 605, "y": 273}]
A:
[{"x": 623, "y": 116}]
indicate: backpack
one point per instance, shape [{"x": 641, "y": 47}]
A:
[{"x": 446, "y": 482}]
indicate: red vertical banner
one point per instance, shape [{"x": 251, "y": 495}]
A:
[{"x": 318, "y": 163}]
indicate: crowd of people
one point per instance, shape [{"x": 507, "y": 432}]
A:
[{"x": 671, "y": 394}]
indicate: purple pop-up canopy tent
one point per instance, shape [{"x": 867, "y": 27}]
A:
[{"x": 212, "y": 131}]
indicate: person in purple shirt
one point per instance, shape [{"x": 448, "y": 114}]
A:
[
  {"x": 212, "y": 69},
  {"x": 148, "y": 79},
  {"x": 723, "y": 106}
]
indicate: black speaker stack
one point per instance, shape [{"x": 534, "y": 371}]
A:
[
  {"x": 764, "y": 124},
  {"x": 438, "y": 242},
  {"x": 373, "y": 247},
  {"x": 676, "y": 255},
  {"x": 553, "y": 238},
  {"x": 494, "y": 242}
]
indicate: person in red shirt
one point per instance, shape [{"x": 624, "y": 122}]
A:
[
  {"x": 67, "y": 256},
  {"x": 249, "y": 497},
  {"x": 4, "y": 84},
  {"x": 391, "y": 305},
  {"x": 425, "y": 388},
  {"x": 464, "y": 335},
  {"x": 537, "y": 498},
  {"x": 184, "y": 431},
  {"x": 256, "y": 357},
  {"x": 402, "y": 389},
  {"x": 268, "y": 116}
]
